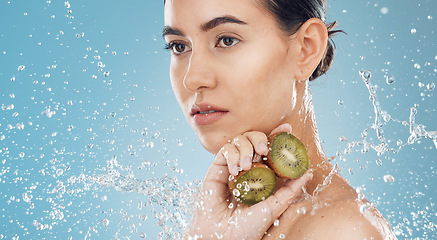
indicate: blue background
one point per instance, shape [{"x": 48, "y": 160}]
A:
[{"x": 93, "y": 144}]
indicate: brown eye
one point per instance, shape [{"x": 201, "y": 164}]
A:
[
  {"x": 179, "y": 48},
  {"x": 227, "y": 42}
]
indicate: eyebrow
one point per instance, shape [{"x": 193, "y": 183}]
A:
[{"x": 167, "y": 30}]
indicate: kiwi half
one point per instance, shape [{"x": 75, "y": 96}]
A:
[
  {"x": 288, "y": 156},
  {"x": 254, "y": 185}
]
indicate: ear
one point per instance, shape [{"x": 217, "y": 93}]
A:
[{"x": 311, "y": 40}]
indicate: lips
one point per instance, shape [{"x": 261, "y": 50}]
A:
[{"x": 206, "y": 114}]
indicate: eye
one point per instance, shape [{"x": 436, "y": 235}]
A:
[
  {"x": 226, "y": 42},
  {"x": 178, "y": 48}
]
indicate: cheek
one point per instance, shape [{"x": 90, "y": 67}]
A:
[{"x": 176, "y": 80}]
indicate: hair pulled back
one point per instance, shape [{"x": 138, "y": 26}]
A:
[{"x": 292, "y": 14}]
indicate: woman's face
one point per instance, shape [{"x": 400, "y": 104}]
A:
[{"x": 231, "y": 68}]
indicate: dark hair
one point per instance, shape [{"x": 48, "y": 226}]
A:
[{"x": 291, "y": 14}]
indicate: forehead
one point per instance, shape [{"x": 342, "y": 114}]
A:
[{"x": 178, "y": 12}]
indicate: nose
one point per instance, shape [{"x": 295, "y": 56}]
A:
[{"x": 200, "y": 73}]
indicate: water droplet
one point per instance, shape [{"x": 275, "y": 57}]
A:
[
  {"x": 390, "y": 79},
  {"x": 143, "y": 235},
  {"x": 27, "y": 197},
  {"x": 384, "y": 10},
  {"x": 276, "y": 223},
  {"x": 386, "y": 116},
  {"x": 59, "y": 172},
  {"x": 282, "y": 236},
  {"x": 114, "y": 53},
  {"x": 231, "y": 178},
  {"x": 13, "y": 79},
  {"x": 231, "y": 205},
  {"x": 236, "y": 192},
  {"x": 363, "y": 208},
  {"x": 21, "y": 68},
  {"x": 20, "y": 126},
  {"x": 22, "y": 154},
  {"x": 430, "y": 86},
  {"x": 105, "y": 222},
  {"x": 378, "y": 162},
  {"x": 106, "y": 74},
  {"x": 113, "y": 114},
  {"x": 413, "y": 31},
  {"x": 8, "y": 107},
  {"x": 340, "y": 102},
  {"x": 417, "y": 66},
  {"x": 388, "y": 178},
  {"x": 150, "y": 144},
  {"x": 365, "y": 75},
  {"x": 156, "y": 135},
  {"x": 79, "y": 35}
]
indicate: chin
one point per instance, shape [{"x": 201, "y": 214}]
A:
[{"x": 212, "y": 141}]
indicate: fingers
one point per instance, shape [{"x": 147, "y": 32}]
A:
[
  {"x": 240, "y": 152},
  {"x": 259, "y": 142}
]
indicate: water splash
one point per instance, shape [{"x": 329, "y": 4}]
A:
[
  {"x": 165, "y": 192},
  {"x": 381, "y": 118}
]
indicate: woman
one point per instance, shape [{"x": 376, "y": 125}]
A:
[{"x": 240, "y": 71}]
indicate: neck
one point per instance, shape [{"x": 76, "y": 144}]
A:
[{"x": 304, "y": 128}]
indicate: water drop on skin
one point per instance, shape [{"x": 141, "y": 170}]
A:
[
  {"x": 363, "y": 208},
  {"x": 276, "y": 223}
]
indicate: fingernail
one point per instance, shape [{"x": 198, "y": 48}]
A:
[
  {"x": 263, "y": 147},
  {"x": 234, "y": 170},
  {"x": 247, "y": 163}
]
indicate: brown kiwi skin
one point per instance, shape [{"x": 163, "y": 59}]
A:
[
  {"x": 231, "y": 183},
  {"x": 269, "y": 159}
]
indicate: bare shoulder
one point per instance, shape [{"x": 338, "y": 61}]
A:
[
  {"x": 347, "y": 219},
  {"x": 338, "y": 214}
]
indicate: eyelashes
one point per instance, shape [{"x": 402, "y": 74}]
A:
[{"x": 177, "y": 47}]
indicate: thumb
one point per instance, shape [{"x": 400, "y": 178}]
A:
[{"x": 276, "y": 204}]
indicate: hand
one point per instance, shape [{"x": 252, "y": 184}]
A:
[{"x": 219, "y": 215}]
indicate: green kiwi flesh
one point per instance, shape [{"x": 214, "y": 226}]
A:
[
  {"x": 289, "y": 156},
  {"x": 255, "y": 185}
]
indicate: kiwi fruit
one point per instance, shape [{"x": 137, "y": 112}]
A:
[
  {"x": 254, "y": 185},
  {"x": 288, "y": 156}
]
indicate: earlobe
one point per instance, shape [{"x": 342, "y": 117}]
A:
[{"x": 312, "y": 40}]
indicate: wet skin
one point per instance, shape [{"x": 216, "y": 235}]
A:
[{"x": 239, "y": 78}]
